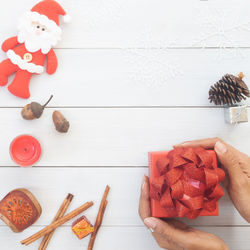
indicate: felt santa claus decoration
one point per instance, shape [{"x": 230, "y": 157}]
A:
[{"x": 38, "y": 32}]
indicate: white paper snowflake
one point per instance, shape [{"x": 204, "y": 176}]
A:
[
  {"x": 152, "y": 66},
  {"x": 221, "y": 27}
]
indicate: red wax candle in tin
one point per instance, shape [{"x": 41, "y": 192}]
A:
[{"x": 25, "y": 150}]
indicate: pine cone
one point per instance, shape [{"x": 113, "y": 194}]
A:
[{"x": 229, "y": 90}]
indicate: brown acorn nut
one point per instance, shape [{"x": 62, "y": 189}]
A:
[
  {"x": 61, "y": 123},
  {"x": 34, "y": 110}
]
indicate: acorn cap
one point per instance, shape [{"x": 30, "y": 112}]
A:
[{"x": 37, "y": 109}]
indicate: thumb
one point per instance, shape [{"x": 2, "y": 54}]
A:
[
  {"x": 165, "y": 229},
  {"x": 229, "y": 158}
]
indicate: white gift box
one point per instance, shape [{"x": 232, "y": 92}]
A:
[{"x": 236, "y": 114}]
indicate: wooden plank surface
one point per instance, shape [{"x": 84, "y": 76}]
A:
[
  {"x": 132, "y": 78},
  {"x": 88, "y": 184},
  {"x": 173, "y": 77},
  {"x": 145, "y": 23},
  {"x": 117, "y": 137},
  {"x": 133, "y": 238}
]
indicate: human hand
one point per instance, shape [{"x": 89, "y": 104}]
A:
[
  {"x": 173, "y": 234},
  {"x": 237, "y": 168}
]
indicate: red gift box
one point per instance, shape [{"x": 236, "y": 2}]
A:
[{"x": 185, "y": 183}]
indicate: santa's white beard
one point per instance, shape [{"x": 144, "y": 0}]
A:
[{"x": 33, "y": 42}]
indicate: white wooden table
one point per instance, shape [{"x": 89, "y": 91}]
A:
[{"x": 133, "y": 77}]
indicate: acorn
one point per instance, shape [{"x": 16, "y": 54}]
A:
[
  {"x": 61, "y": 123},
  {"x": 34, "y": 110}
]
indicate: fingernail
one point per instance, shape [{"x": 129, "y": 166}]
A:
[
  {"x": 150, "y": 223},
  {"x": 143, "y": 182},
  {"x": 220, "y": 147}
]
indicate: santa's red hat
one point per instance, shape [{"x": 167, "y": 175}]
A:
[
  {"x": 51, "y": 9},
  {"x": 47, "y": 13}
]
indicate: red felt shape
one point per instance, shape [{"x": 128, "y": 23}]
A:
[
  {"x": 22, "y": 68},
  {"x": 52, "y": 62},
  {"x": 185, "y": 183},
  {"x": 26, "y": 58}
]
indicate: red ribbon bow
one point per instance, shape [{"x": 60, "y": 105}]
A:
[{"x": 188, "y": 182}]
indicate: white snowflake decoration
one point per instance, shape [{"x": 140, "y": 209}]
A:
[
  {"x": 220, "y": 28},
  {"x": 152, "y": 66}
]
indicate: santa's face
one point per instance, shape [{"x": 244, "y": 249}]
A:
[
  {"x": 39, "y": 29},
  {"x": 37, "y": 36}
]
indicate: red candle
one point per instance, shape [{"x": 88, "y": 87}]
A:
[{"x": 25, "y": 150}]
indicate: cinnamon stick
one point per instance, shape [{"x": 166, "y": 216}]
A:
[
  {"x": 57, "y": 223},
  {"x": 99, "y": 218},
  {"x": 62, "y": 210}
]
